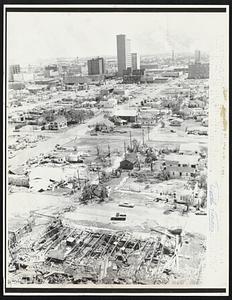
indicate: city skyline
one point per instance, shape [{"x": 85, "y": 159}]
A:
[{"x": 48, "y": 36}]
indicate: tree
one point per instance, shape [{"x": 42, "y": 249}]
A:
[
  {"x": 49, "y": 116},
  {"x": 163, "y": 175},
  {"x": 202, "y": 181}
]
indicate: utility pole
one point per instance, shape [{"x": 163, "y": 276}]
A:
[
  {"x": 125, "y": 149},
  {"x": 130, "y": 140},
  {"x": 109, "y": 149},
  {"x": 78, "y": 176},
  {"x": 148, "y": 133},
  {"x": 143, "y": 136},
  {"x": 139, "y": 163},
  {"x": 98, "y": 174},
  {"x": 98, "y": 152}
]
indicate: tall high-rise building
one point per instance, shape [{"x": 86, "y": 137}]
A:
[
  {"x": 96, "y": 66},
  {"x": 13, "y": 69},
  {"x": 197, "y": 56},
  {"x": 123, "y": 53},
  {"x": 135, "y": 62}
]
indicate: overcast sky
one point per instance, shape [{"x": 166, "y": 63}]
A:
[{"x": 35, "y": 36}]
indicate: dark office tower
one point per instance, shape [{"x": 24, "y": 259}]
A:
[
  {"x": 197, "y": 56},
  {"x": 49, "y": 69},
  {"x": 123, "y": 53},
  {"x": 96, "y": 66},
  {"x": 135, "y": 63},
  {"x": 13, "y": 69}
]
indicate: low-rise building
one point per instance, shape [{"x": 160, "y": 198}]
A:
[
  {"x": 181, "y": 166},
  {"x": 146, "y": 118},
  {"x": 128, "y": 115},
  {"x": 18, "y": 118},
  {"x": 198, "y": 71},
  {"x": 132, "y": 76}
]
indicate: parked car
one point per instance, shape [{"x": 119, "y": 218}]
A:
[
  {"x": 126, "y": 204},
  {"x": 200, "y": 213},
  {"x": 93, "y": 133},
  {"x": 136, "y": 125},
  {"x": 161, "y": 198},
  {"x": 202, "y": 133}
]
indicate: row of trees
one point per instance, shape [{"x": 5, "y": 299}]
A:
[
  {"x": 78, "y": 116},
  {"x": 73, "y": 116}
]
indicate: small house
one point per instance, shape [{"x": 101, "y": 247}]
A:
[
  {"x": 129, "y": 161},
  {"x": 128, "y": 115}
]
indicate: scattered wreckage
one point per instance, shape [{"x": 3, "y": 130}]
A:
[{"x": 74, "y": 255}]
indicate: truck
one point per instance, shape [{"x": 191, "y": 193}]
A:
[{"x": 118, "y": 217}]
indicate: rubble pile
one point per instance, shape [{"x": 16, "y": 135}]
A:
[{"x": 64, "y": 254}]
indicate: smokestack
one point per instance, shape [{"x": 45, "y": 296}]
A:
[
  {"x": 173, "y": 56},
  {"x": 197, "y": 56}
]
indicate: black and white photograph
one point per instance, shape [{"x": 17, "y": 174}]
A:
[{"x": 116, "y": 126}]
